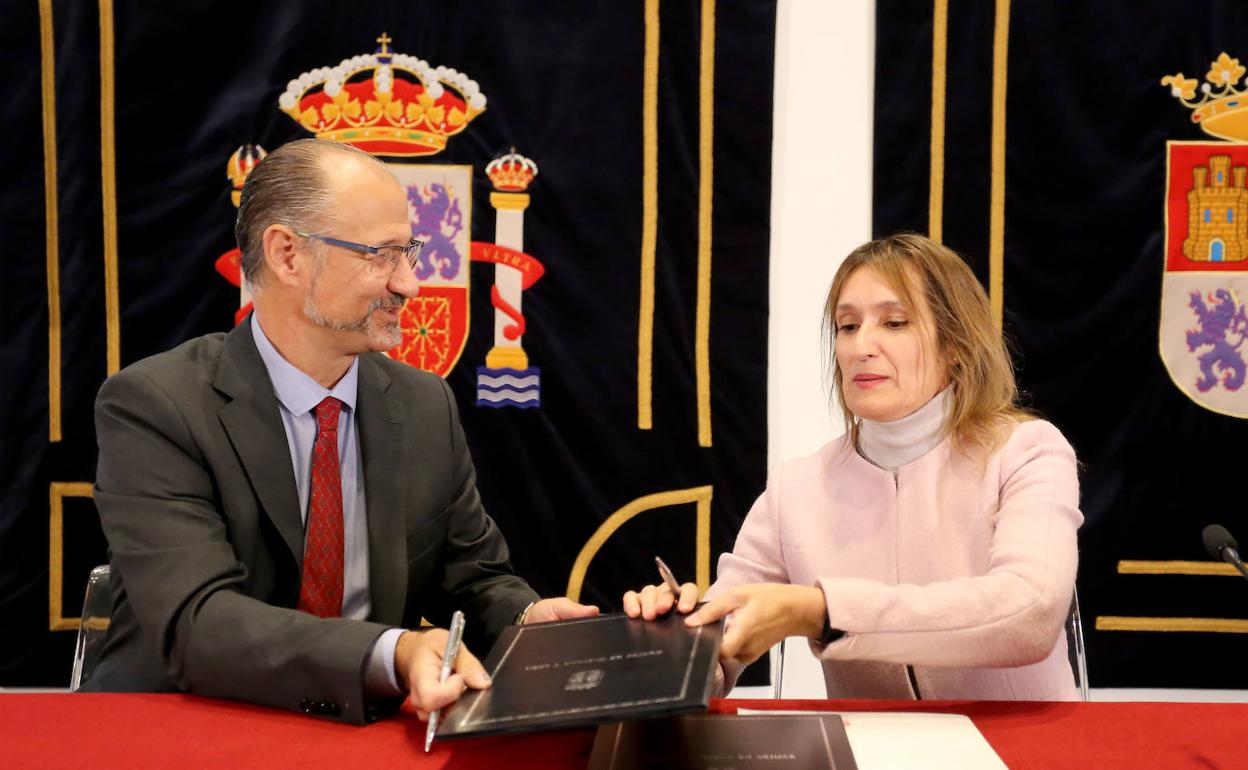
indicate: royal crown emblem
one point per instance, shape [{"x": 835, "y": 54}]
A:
[
  {"x": 239, "y": 166},
  {"x": 385, "y": 103},
  {"x": 512, "y": 172},
  {"x": 1222, "y": 108},
  {"x": 1203, "y": 319}
]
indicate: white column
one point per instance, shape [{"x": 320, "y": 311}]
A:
[{"x": 509, "y": 232}]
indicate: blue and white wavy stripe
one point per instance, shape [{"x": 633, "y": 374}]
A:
[
  {"x": 508, "y": 397},
  {"x": 482, "y": 388},
  {"x": 495, "y": 382}
]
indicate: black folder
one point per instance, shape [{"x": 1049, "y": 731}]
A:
[
  {"x": 710, "y": 742},
  {"x": 573, "y": 673}
]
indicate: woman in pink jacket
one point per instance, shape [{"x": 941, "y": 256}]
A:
[{"x": 930, "y": 552}]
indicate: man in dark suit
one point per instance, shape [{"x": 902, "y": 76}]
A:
[{"x": 283, "y": 502}]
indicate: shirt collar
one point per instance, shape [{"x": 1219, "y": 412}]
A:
[{"x": 298, "y": 392}]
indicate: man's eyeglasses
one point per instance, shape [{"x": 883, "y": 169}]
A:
[{"x": 381, "y": 259}]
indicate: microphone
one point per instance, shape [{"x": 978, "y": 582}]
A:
[{"x": 1222, "y": 546}]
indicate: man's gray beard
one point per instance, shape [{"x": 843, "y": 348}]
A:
[{"x": 389, "y": 334}]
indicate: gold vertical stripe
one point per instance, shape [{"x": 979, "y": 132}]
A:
[
  {"x": 57, "y": 492},
  {"x": 936, "y": 174},
  {"x": 47, "y": 64},
  {"x": 1139, "y": 567},
  {"x": 108, "y": 162},
  {"x": 996, "y": 214},
  {"x": 703, "y": 544},
  {"x": 699, "y": 495},
  {"x": 706, "y": 167},
  {"x": 649, "y": 213},
  {"x": 1200, "y": 625}
]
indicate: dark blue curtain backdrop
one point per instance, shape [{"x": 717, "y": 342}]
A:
[
  {"x": 1085, "y": 254},
  {"x": 564, "y": 83}
]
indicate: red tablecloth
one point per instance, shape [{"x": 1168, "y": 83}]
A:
[{"x": 135, "y": 731}]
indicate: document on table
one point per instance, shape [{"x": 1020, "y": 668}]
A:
[
  {"x": 588, "y": 671},
  {"x": 895, "y": 740},
  {"x": 812, "y": 741}
]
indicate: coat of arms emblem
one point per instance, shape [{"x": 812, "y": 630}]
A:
[
  {"x": 398, "y": 106},
  {"x": 1203, "y": 316}
]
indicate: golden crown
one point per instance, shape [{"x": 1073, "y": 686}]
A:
[
  {"x": 385, "y": 103},
  {"x": 1222, "y": 109},
  {"x": 240, "y": 165},
  {"x": 511, "y": 172}
]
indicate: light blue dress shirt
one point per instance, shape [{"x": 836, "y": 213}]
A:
[{"x": 297, "y": 396}]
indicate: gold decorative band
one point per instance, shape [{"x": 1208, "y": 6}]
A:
[
  {"x": 57, "y": 492},
  {"x": 700, "y": 495},
  {"x": 1128, "y": 567},
  {"x": 706, "y": 166},
  {"x": 108, "y": 163},
  {"x": 936, "y": 175},
  {"x": 517, "y": 201},
  {"x": 47, "y": 64},
  {"x": 1197, "y": 625},
  {"x": 996, "y": 212},
  {"x": 429, "y": 143},
  {"x": 649, "y": 213}
]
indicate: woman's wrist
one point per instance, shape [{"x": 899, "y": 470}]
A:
[{"x": 814, "y": 613}]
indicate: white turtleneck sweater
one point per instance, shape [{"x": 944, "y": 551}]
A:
[
  {"x": 891, "y": 445},
  {"x": 961, "y": 568}
]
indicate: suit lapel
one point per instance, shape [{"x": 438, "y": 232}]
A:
[
  {"x": 380, "y": 414},
  {"x": 254, "y": 426}
]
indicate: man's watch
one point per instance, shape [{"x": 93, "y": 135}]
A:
[{"x": 524, "y": 613}]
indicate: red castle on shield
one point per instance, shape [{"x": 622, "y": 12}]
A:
[{"x": 1204, "y": 319}]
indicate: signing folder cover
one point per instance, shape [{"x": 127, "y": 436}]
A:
[
  {"x": 583, "y": 672},
  {"x": 722, "y": 742}
]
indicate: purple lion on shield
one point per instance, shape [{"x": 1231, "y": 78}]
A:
[
  {"x": 1223, "y": 318},
  {"x": 438, "y": 220}
]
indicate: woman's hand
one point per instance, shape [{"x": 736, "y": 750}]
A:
[
  {"x": 653, "y": 601},
  {"x": 761, "y": 614}
]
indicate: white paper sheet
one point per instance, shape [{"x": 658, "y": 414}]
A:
[{"x": 905, "y": 740}]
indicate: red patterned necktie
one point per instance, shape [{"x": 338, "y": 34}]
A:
[{"x": 320, "y": 590}]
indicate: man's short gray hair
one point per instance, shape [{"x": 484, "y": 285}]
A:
[{"x": 289, "y": 187}]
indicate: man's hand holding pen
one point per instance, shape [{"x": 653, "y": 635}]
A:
[
  {"x": 418, "y": 663},
  {"x": 436, "y": 670}
]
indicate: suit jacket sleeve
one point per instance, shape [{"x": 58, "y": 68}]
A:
[
  {"x": 474, "y": 573},
  {"x": 184, "y": 582}
]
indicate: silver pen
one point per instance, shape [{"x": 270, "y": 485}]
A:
[
  {"x": 448, "y": 663},
  {"x": 668, "y": 578}
]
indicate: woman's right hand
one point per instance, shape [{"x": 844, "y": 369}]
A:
[{"x": 654, "y": 601}]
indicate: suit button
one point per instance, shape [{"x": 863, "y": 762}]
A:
[{"x": 305, "y": 705}]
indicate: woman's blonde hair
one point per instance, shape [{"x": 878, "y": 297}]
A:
[{"x": 983, "y": 394}]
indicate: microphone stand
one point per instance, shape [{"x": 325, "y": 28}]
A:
[{"x": 1231, "y": 556}]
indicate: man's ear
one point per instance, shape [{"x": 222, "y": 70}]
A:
[{"x": 281, "y": 254}]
